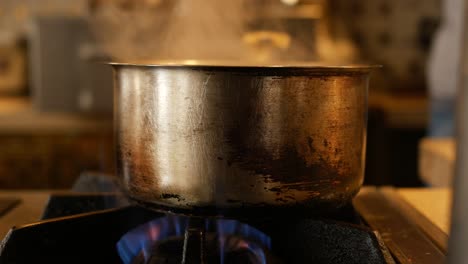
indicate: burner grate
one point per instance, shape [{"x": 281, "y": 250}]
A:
[{"x": 92, "y": 238}]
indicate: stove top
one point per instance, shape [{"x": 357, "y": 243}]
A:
[{"x": 102, "y": 228}]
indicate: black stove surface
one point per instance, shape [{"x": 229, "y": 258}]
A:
[{"x": 86, "y": 229}]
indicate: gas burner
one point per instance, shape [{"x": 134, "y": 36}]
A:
[
  {"x": 236, "y": 250},
  {"x": 92, "y": 238},
  {"x": 221, "y": 241},
  {"x": 86, "y": 229}
]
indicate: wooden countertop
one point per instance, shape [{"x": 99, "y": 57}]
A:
[
  {"x": 28, "y": 211},
  {"x": 434, "y": 203},
  {"x": 18, "y": 116}
]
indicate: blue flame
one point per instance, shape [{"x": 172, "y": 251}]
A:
[
  {"x": 142, "y": 238},
  {"x": 230, "y": 243},
  {"x": 253, "y": 238}
]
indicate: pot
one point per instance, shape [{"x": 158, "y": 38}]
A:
[{"x": 209, "y": 139}]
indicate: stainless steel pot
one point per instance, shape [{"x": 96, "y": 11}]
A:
[{"x": 220, "y": 140}]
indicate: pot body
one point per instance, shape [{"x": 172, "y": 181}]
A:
[{"x": 214, "y": 140}]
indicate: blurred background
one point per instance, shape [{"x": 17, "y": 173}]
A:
[{"x": 56, "y": 99}]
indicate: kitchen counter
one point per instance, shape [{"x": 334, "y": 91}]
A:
[
  {"x": 434, "y": 203},
  {"x": 29, "y": 210},
  {"x": 48, "y": 150},
  {"x": 18, "y": 116}
]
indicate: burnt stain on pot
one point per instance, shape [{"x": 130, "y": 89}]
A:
[
  {"x": 310, "y": 143},
  {"x": 247, "y": 210},
  {"x": 274, "y": 189},
  {"x": 281, "y": 200},
  {"x": 290, "y": 167},
  {"x": 289, "y": 170},
  {"x": 172, "y": 196}
]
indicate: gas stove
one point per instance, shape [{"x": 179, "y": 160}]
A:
[{"x": 106, "y": 228}]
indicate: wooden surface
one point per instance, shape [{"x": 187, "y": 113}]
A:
[
  {"x": 28, "y": 211},
  {"x": 431, "y": 230},
  {"x": 40, "y": 150},
  {"x": 408, "y": 235},
  {"x": 434, "y": 203},
  {"x": 18, "y": 116},
  {"x": 52, "y": 161},
  {"x": 436, "y": 161}
]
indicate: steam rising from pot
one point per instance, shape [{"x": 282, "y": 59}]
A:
[{"x": 201, "y": 29}]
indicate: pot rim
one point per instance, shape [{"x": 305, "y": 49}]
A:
[{"x": 246, "y": 64}]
